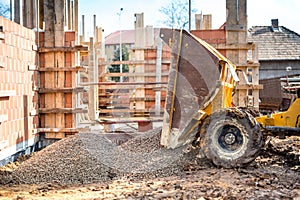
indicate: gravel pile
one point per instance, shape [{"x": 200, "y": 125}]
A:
[
  {"x": 91, "y": 157},
  {"x": 146, "y": 143}
]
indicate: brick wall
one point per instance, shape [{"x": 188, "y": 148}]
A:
[{"x": 18, "y": 100}]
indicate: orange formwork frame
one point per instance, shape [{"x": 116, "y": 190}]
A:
[{"x": 57, "y": 68}]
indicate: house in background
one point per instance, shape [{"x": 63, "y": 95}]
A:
[
  {"x": 278, "y": 50},
  {"x": 279, "y": 56},
  {"x": 112, "y": 42}
]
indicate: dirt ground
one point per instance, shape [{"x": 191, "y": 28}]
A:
[{"x": 275, "y": 174}]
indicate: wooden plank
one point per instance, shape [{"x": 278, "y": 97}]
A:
[
  {"x": 135, "y": 62},
  {"x": 121, "y": 87},
  {"x": 59, "y": 135},
  {"x": 249, "y": 87},
  {"x": 166, "y": 73},
  {"x": 56, "y": 130},
  {"x": 61, "y": 110},
  {"x": 61, "y": 90},
  {"x": 104, "y": 111},
  {"x": 114, "y": 93},
  {"x": 252, "y": 65},
  {"x": 237, "y": 46},
  {"x": 114, "y": 120},
  {"x": 62, "y": 49},
  {"x": 62, "y": 69},
  {"x": 124, "y": 83},
  {"x": 123, "y": 98}
]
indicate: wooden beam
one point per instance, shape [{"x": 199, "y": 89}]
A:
[
  {"x": 62, "y": 49},
  {"x": 234, "y": 46},
  {"x": 134, "y": 74},
  {"x": 131, "y": 62},
  {"x": 105, "y": 111},
  {"x": 125, "y": 83},
  {"x": 252, "y": 65},
  {"x": 58, "y": 135},
  {"x": 121, "y": 87},
  {"x": 61, "y": 90},
  {"x": 115, "y": 120},
  {"x": 61, "y": 69},
  {"x": 250, "y": 86},
  {"x": 61, "y": 110},
  {"x": 56, "y": 130}
]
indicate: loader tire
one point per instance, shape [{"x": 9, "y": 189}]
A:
[{"x": 232, "y": 138}]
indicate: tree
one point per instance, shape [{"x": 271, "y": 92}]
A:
[
  {"x": 177, "y": 14},
  {"x": 4, "y": 10},
  {"x": 116, "y": 68}
]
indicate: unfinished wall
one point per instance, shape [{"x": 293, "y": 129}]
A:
[
  {"x": 215, "y": 37},
  {"x": 18, "y": 98}
]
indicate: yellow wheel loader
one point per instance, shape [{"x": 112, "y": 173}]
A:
[{"x": 199, "y": 105}]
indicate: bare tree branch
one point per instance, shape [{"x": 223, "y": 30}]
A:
[
  {"x": 4, "y": 10},
  {"x": 176, "y": 14}
]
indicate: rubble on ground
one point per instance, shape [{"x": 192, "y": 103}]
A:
[{"x": 157, "y": 172}]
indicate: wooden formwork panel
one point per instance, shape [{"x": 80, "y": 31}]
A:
[
  {"x": 141, "y": 99},
  {"x": 58, "y": 87}
]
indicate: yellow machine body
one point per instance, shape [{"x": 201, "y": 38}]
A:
[{"x": 289, "y": 118}]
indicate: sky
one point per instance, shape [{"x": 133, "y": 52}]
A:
[{"x": 260, "y": 13}]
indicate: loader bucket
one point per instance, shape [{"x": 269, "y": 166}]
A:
[{"x": 194, "y": 77}]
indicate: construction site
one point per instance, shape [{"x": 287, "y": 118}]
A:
[{"x": 147, "y": 113}]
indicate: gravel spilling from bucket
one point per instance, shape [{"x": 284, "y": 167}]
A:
[{"x": 92, "y": 157}]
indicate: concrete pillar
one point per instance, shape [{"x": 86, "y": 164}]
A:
[
  {"x": 198, "y": 21},
  {"x": 139, "y": 30},
  {"x": 69, "y": 21},
  {"x": 41, "y": 14},
  {"x": 18, "y": 16},
  {"x": 207, "y": 22},
  {"x": 92, "y": 98}
]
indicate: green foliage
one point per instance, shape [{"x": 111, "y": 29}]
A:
[
  {"x": 116, "y": 68},
  {"x": 176, "y": 14}
]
